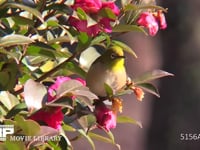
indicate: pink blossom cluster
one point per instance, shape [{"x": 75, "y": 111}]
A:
[
  {"x": 53, "y": 116},
  {"x": 152, "y": 21},
  {"x": 93, "y": 8}
]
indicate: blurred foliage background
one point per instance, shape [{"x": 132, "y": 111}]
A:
[{"x": 176, "y": 112}]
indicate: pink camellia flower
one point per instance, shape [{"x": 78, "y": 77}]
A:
[
  {"x": 160, "y": 17},
  {"x": 112, "y": 6},
  {"x": 147, "y": 20},
  {"x": 106, "y": 118},
  {"x": 55, "y": 86},
  {"x": 53, "y": 116},
  {"x": 82, "y": 26},
  {"x": 89, "y": 6},
  {"x": 152, "y": 21}
]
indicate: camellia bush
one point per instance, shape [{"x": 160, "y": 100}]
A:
[{"x": 46, "y": 49}]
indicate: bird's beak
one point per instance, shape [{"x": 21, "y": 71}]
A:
[{"x": 121, "y": 57}]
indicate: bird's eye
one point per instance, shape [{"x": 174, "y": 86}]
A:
[{"x": 113, "y": 56}]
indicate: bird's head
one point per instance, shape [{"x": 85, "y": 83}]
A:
[{"x": 114, "y": 54}]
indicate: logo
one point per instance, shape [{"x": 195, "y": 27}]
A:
[{"x": 5, "y": 130}]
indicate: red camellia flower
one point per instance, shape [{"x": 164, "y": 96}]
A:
[
  {"x": 89, "y": 6},
  {"x": 94, "y": 7},
  {"x": 53, "y": 116},
  {"x": 106, "y": 118}
]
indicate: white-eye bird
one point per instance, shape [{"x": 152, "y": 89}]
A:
[{"x": 108, "y": 68}]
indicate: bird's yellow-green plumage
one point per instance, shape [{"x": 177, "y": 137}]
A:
[{"x": 108, "y": 68}]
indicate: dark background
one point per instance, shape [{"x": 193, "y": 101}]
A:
[{"x": 178, "y": 110}]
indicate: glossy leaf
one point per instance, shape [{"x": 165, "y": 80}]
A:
[
  {"x": 61, "y": 39},
  {"x": 29, "y": 127},
  {"x": 87, "y": 137},
  {"x": 8, "y": 100},
  {"x": 125, "y": 119},
  {"x": 107, "y": 13},
  {"x": 68, "y": 86},
  {"x": 81, "y": 14},
  {"x": 35, "y": 12},
  {"x": 67, "y": 127},
  {"x": 133, "y": 7},
  {"x": 47, "y": 66},
  {"x": 152, "y": 7},
  {"x": 14, "y": 39},
  {"x": 100, "y": 137},
  {"x": 149, "y": 88},
  {"x": 71, "y": 66},
  {"x": 152, "y": 75},
  {"x": 9, "y": 74},
  {"x": 128, "y": 28},
  {"x": 108, "y": 89},
  {"x": 22, "y": 20},
  {"x": 125, "y": 47},
  {"x": 34, "y": 94},
  {"x": 16, "y": 110},
  {"x": 15, "y": 145}
]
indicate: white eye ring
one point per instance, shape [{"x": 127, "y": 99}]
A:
[{"x": 113, "y": 56}]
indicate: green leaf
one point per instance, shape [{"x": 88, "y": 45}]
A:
[
  {"x": 64, "y": 102},
  {"x": 67, "y": 127},
  {"x": 149, "y": 88},
  {"x": 8, "y": 100},
  {"x": 107, "y": 13},
  {"x": 9, "y": 73},
  {"x": 15, "y": 145},
  {"x": 100, "y": 137},
  {"x": 98, "y": 39},
  {"x": 16, "y": 109},
  {"x": 85, "y": 96},
  {"x": 152, "y": 75},
  {"x": 22, "y": 20},
  {"x": 130, "y": 7},
  {"x": 124, "y": 47},
  {"x": 108, "y": 89},
  {"x": 29, "y": 127},
  {"x": 128, "y": 28},
  {"x": 133, "y": 7},
  {"x": 62, "y": 8},
  {"x": 42, "y": 49},
  {"x": 152, "y": 7},
  {"x": 81, "y": 14},
  {"x": 35, "y": 94},
  {"x": 68, "y": 86},
  {"x": 87, "y": 137},
  {"x": 33, "y": 11},
  {"x": 14, "y": 39},
  {"x": 125, "y": 119},
  {"x": 83, "y": 38},
  {"x": 14, "y": 55},
  {"x": 71, "y": 66},
  {"x": 61, "y": 39}
]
